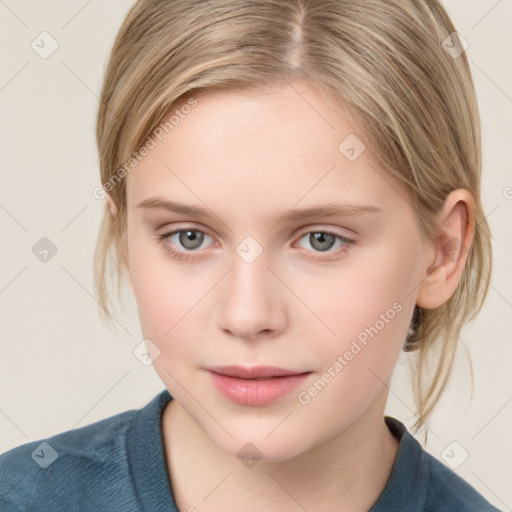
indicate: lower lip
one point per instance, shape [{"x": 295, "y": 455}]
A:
[{"x": 256, "y": 392}]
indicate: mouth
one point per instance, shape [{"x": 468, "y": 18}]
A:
[
  {"x": 255, "y": 386},
  {"x": 255, "y": 372}
]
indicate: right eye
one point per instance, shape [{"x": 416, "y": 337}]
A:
[{"x": 185, "y": 239}]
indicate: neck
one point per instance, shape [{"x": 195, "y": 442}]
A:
[{"x": 348, "y": 472}]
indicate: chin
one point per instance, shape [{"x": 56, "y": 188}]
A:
[{"x": 251, "y": 449}]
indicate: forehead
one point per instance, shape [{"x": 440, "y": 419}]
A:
[{"x": 246, "y": 146}]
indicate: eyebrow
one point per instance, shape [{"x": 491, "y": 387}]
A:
[{"x": 294, "y": 214}]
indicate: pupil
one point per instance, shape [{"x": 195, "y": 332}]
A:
[
  {"x": 191, "y": 236},
  {"x": 325, "y": 240}
]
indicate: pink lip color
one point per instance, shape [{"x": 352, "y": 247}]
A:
[{"x": 239, "y": 384}]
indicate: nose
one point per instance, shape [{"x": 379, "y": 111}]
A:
[{"x": 252, "y": 300}]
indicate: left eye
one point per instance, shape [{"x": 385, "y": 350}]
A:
[{"x": 323, "y": 241}]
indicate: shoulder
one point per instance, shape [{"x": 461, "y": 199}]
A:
[
  {"x": 63, "y": 467},
  {"x": 448, "y": 491},
  {"x": 419, "y": 482}
]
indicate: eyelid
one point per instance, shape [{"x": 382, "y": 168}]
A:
[
  {"x": 302, "y": 231},
  {"x": 185, "y": 227},
  {"x": 315, "y": 228}
]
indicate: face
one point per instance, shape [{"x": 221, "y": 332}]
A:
[{"x": 325, "y": 295}]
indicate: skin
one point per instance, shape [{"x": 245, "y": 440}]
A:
[{"x": 250, "y": 157}]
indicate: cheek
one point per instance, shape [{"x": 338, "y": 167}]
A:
[
  {"x": 365, "y": 310},
  {"x": 161, "y": 289},
  {"x": 169, "y": 313},
  {"x": 370, "y": 318},
  {"x": 356, "y": 295}
]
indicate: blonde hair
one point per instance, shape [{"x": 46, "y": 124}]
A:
[{"x": 386, "y": 62}]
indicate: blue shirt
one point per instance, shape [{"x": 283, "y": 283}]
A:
[{"x": 118, "y": 464}]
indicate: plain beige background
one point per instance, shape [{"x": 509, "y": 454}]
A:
[{"x": 61, "y": 368}]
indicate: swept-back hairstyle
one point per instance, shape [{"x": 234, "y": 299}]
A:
[{"x": 396, "y": 66}]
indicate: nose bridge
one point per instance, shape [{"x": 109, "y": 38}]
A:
[
  {"x": 250, "y": 301},
  {"x": 250, "y": 275}
]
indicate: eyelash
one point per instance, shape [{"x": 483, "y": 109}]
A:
[{"x": 183, "y": 256}]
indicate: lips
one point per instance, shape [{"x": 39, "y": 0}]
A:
[
  {"x": 255, "y": 386},
  {"x": 255, "y": 372}
]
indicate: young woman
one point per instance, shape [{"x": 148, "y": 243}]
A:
[{"x": 293, "y": 192}]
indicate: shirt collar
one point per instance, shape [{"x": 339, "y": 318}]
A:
[
  {"x": 406, "y": 488},
  {"x": 146, "y": 458}
]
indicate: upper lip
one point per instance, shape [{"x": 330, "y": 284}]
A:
[{"x": 245, "y": 372}]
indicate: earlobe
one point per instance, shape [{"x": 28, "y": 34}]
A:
[
  {"x": 111, "y": 206},
  {"x": 456, "y": 223}
]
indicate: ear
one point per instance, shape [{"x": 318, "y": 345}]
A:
[
  {"x": 456, "y": 222},
  {"x": 111, "y": 206}
]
